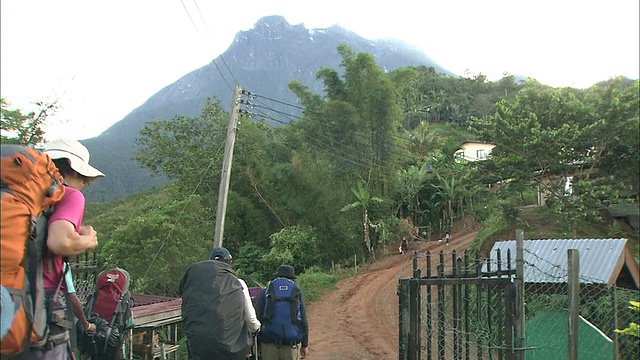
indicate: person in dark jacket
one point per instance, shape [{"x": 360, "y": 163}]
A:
[
  {"x": 217, "y": 313},
  {"x": 271, "y": 346}
]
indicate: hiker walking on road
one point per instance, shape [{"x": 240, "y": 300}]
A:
[
  {"x": 447, "y": 237},
  {"x": 285, "y": 329},
  {"x": 218, "y": 316},
  {"x": 404, "y": 245}
]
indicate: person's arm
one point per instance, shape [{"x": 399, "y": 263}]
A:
[
  {"x": 305, "y": 328},
  {"x": 252, "y": 320},
  {"x": 62, "y": 238},
  {"x": 65, "y": 235},
  {"x": 76, "y": 304}
]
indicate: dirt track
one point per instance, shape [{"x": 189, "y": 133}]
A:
[{"x": 359, "y": 320}]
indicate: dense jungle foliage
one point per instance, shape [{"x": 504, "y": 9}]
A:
[{"x": 368, "y": 161}]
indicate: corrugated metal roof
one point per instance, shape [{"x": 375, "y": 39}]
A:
[
  {"x": 546, "y": 260},
  {"x": 145, "y": 299}
]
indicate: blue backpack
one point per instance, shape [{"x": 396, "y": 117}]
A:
[{"x": 282, "y": 319}]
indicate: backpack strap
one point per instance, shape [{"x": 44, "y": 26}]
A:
[
  {"x": 294, "y": 304},
  {"x": 58, "y": 317},
  {"x": 116, "y": 314}
]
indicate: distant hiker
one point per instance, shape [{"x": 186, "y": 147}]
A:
[
  {"x": 218, "y": 316},
  {"x": 404, "y": 246},
  {"x": 447, "y": 237},
  {"x": 66, "y": 236},
  {"x": 281, "y": 310}
]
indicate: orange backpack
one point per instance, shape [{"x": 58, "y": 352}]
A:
[{"x": 31, "y": 183}]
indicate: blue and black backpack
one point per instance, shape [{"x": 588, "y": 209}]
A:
[{"x": 281, "y": 315}]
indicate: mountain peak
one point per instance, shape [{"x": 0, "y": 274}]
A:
[
  {"x": 264, "y": 60},
  {"x": 272, "y": 22}
]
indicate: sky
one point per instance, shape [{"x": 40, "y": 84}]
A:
[{"x": 102, "y": 59}]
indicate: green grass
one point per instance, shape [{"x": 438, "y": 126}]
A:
[{"x": 314, "y": 283}]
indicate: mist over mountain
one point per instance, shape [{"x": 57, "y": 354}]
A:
[{"x": 263, "y": 60}]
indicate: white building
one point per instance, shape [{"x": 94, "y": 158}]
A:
[{"x": 474, "y": 150}]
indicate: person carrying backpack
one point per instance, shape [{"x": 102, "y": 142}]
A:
[
  {"x": 285, "y": 330},
  {"x": 218, "y": 316},
  {"x": 66, "y": 236}
]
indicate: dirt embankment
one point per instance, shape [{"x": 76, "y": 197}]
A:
[{"x": 359, "y": 320}]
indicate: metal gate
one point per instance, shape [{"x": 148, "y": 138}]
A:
[{"x": 461, "y": 308}]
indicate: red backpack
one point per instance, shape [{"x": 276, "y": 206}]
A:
[
  {"x": 31, "y": 183},
  {"x": 109, "y": 307}
]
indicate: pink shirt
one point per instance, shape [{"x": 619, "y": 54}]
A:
[{"x": 71, "y": 209}]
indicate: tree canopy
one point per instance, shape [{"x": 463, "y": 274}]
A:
[{"x": 382, "y": 143}]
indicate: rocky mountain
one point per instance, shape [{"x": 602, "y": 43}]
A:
[{"x": 262, "y": 60}]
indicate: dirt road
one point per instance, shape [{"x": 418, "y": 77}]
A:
[{"x": 359, "y": 320}]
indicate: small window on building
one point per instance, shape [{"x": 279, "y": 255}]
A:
[{"x": 480, "y": 154}]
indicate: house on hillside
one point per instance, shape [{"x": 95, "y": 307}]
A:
[{"x": 474, "y": 150}]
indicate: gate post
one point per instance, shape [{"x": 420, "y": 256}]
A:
[
  {"x": 403, "y": 319},
  {"x": 573, "y": 275},
  {"x": 519, "y": 298},
  {"x": 414, "y": 318}
]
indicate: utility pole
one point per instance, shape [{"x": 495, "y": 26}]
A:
[{"x": 225, "y": 174}]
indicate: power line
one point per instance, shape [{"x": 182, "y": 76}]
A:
[
  {"x": 189, "y": 15},
  {"x": 361, "y": 136},
  {"x": 223, "y": 78},
  {"x": 229, "y": 70},
  {"x": 208, "y": 32},
  {"x": 274, "y": 100},
  {"x": 202, "y": 18},
  {"x": 166, "y": 238},
  {"x": 316, "y": 113},
  {"x": 332, "y": 150}
]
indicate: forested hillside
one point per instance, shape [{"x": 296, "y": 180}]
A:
[
  {"x": 264, "y": 60},
  {"x": 369, "y": 161}
]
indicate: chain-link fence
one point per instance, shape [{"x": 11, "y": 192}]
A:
[
  {"x": 601, "y": 309},
  {"x": 84, "y": 268},
  {"x": 455, "y": 307}
]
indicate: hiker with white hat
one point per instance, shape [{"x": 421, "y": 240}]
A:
[{"x": 66, "y": 236}]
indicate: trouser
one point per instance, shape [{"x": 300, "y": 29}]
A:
[
  {"x": 279, "y": 352},
  {"x": 203, "y": 348}
]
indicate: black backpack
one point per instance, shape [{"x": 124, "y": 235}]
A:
[{"x": 213, "y": 308}]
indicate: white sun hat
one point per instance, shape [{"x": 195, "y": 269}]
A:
[{"x": 77, "y": 154}]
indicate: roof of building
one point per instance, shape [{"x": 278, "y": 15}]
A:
[
  {"x": 476, "y": 142},
  {"x": 151, "y": 310},
  {"x": 602, "y": 261}
]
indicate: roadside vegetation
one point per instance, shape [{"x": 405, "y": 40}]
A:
[{"x": 364, "y": 164}]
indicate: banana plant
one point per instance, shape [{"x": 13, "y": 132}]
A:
[{"x": 364, "y": 200}]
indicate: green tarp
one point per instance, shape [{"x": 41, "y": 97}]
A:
[{"x": 548, "y": 332}]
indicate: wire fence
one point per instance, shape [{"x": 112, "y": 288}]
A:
[
  {"x": 602, "y": 310},
  {"x": 84, "y": 268}
]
